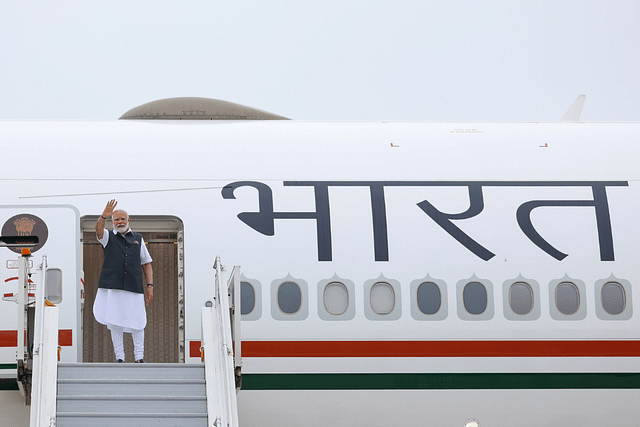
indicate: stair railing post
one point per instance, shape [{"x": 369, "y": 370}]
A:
[
  {"x": 36, "y": 379},
  {"x": 218, "y": 343},
  {"x": 49, "y": 365},
  {"x": 22, "y": 300},
  {"x": 45, "y": 355},
  {"x": 236, "y": 285}
]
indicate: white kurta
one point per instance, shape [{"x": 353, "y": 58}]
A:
[{"x": 118, "y": 307}]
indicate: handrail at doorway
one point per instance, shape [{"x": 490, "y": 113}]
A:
[{"x": 221, "y": 349}]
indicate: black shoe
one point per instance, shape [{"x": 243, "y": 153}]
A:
[
  {"x": 140, "y": 361},
  {"x": 119, "y": 361}
]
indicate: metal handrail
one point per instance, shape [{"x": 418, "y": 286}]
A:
[
  {"x": 233, "y": 305},
  {"x": 235, "y": 284},
  {"x": 45, "y": 373},
  {"x": 220, "y": 329},
  {"x": 43, "y": 359},
  {"x": 22, "y": 298}
]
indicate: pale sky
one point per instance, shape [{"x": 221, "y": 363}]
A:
[{"x": 492, "y": 60}]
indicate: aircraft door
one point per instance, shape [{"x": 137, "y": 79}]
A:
[
  {"x": 57, "y": 229},
  {"x": 164, "y": 334}
]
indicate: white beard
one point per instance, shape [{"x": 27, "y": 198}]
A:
[{"x": 122, "y": 228}]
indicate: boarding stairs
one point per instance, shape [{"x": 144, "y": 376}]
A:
[
  {"x": 148, "y": 394},
  {"x": 131, "y": 395}
]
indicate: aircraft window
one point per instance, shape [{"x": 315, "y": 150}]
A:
[
  {"x": 474, "y": 297},
  {"x": 567, "y": 298},
  {"x": 429, "y": 298},
  {"x": 521, "y": 298},
  {"x": 336, "y": 298},
  {"x": 247, "y": 298},
  {"x": 383, "y": 298},
  {"x": 54, "y": 285},
  {"x": 613, "y": 298},
  {"x": 289, "y": 297}
]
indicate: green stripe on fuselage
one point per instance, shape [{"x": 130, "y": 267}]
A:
[
  {"x": 8, "y": 383},
  {"x": 457, "y": 381}
]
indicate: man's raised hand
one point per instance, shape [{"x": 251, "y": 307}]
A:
[{"x": 110, "y": 208}]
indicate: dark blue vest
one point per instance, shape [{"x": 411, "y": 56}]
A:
[{"x": 121, "y": 266}]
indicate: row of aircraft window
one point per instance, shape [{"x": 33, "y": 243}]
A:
[{"x": 521, "y": 299}]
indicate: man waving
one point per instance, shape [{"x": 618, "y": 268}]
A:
[{"x": 120, "y": 301}]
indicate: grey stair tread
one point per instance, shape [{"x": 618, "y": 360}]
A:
[
  {"x": 128, "y": 364},
  {"x": 132, "y": 406},
  {"x": 64, "y": 365},
  {"x": 132, "y": 388},
  {"x": 137, "y": 398},
  {"x": 110, "y": 406},
  {"x": 130, "y": 371},
  {"x": 132, "y": 381},
  {"x": 131, "y": 366},
  {"x": 126, "y": 420},
  {"x": 128, "y": 394},
  {"x": 139, "y": 415}
]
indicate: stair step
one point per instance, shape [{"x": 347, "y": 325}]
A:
[
  {"x": 122, "y": 387},
  {"x": 131, "y": 395},
  {"x": 78, "y": 419},
  {"x": 129, "y": 405},
  {"x": 130, "y": 370}
]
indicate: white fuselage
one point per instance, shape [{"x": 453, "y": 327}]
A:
[{"x": 375, "y": 210}]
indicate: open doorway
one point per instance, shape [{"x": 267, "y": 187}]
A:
[{"x": 164, "y": 334}]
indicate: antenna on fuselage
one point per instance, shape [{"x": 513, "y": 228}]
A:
[{"x": 573, "y": 113}]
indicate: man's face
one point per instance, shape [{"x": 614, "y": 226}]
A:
[{"x": 120, "y": 221}]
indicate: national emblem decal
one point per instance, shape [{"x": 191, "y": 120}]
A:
[{"x": 26, "y": 225}]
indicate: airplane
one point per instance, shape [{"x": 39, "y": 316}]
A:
[{"x": 405, "y": 273}]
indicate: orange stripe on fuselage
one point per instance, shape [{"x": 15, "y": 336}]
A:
[
  {"x": 10, "y": 338},
  {"x": 538, "y": 348}
]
